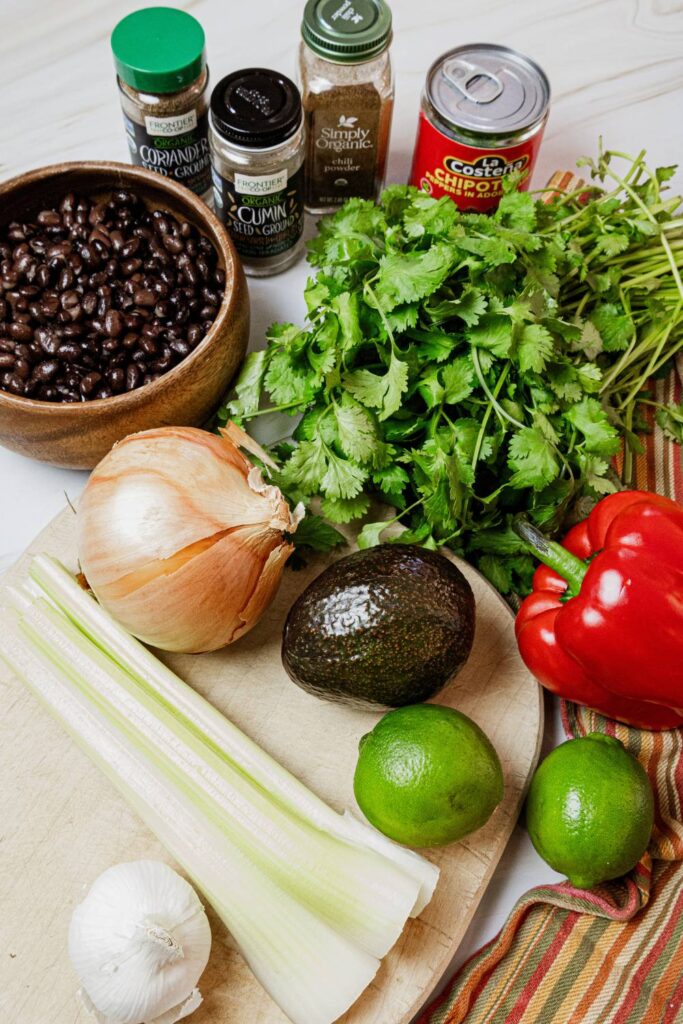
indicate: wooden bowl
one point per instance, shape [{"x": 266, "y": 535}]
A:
[{"x": 78, "y": 435}]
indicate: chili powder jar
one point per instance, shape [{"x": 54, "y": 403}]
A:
[
  {"x": 163, "y": 80},
  {"x": 484, "y": 109},
  {"x": 257, "y": 155},
  {"x": 348, "y": 92}
]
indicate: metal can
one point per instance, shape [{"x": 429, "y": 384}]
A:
[{"x": 484, "y": 109}]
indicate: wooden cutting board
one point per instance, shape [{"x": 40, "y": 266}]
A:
[{"x": 61, "y": 823}]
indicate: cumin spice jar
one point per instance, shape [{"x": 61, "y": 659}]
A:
[
  {"x": 257, "y": 156},
  {"x": 348, "y": 92},
  {"x": 163, "y": 80}
]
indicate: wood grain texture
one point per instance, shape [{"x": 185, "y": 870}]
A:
[
  {"x": 78, "y": 435},
  {"x": 62, "y": 822}
]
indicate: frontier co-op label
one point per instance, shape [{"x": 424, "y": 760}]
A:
[
  {"x": 175, "y": 146},
  {"x": 264, "y": 213},
  {"x": 472, "y": 177},
  {"x": 342, "y": 145}
]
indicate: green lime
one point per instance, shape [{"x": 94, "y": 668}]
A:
[
  {"x": 427, "y": 776},
  {"x": 590, "y": 810}
]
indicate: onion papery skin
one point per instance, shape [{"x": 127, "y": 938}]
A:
[{"x": 181, "y": 539}]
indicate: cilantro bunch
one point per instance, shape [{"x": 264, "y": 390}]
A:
[{"x": 462, "y": 368}]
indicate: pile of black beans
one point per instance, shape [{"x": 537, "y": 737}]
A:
[{"x": 99, "y": 297}]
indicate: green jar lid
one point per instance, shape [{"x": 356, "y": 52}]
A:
[
  {"x": 346, "y": 31},
  {"x": 158, "y": 49}
]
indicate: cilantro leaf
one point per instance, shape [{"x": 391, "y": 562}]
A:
[
  {"x": 345, "y": 510},
  {"x": 535, "y": 348},
  {"x": 590, "y": 419},
  {"x": 356, "y": 429},
  {"x": 614, "y": 326},
  {"x": 249, "y": 384},
  {"x": 347, "y": 307},
  {"x": 381, "y": 392},
  {"x": 532, "y": 459},
  {"x": 306, "y": 466},
  {"x": 314, "y": 533},
  {"x": 342, "y": 478},
  {"x": 458, "y": 377},
  {"x": 469, "y": 306},
  {"x": 369, "y": 536},
  {"x": 405, "y": 277},
  {"x": 493, "y": 332},
  {"x": 517, "y": 210}
]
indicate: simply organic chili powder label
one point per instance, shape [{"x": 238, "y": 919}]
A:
[{"x": 471, "y": 176}]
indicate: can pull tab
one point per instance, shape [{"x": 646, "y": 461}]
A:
[{"x": 465, "y": 77}]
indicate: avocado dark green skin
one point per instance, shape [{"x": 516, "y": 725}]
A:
[{"x": 383, "y": 627}]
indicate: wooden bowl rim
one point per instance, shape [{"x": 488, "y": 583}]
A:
[{"x": 203, "y": 214}]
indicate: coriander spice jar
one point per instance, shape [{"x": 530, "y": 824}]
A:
[
  {"x": 163, "y": 80},
  {"x": 348, "y": 92},
  {"x": 257, "y": 154}
]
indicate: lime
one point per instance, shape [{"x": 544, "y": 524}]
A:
[
  {"x": 590, "y": 810},
  {"x": 427, "y": 776}
]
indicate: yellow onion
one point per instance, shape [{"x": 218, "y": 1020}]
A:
[{"x": 181, "y": 539}]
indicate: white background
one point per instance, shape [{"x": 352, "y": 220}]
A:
[{"x": 615, "y": 67}]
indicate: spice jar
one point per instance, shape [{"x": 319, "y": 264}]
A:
[
  {"x": 257, "y": 155},
  {"x": 348, "y": 93},
  {"x": 163, "y": 80}
]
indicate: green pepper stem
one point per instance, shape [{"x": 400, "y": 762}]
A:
[{"x": 563, "y": 562}]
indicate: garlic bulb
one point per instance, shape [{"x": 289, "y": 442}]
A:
[
  {"x": 181, "y": 539},
  {"x": 139, "y": 942}
]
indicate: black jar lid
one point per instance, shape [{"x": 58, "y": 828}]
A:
[{"x": 256, "y": 108}]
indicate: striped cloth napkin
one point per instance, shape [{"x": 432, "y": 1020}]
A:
[{"x": 613, "y": 955}]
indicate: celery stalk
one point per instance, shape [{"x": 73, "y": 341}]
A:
[
  {"x": 217, "y": 732},
  {"x": 356, "y": 890},
  {"x": 311, "y": 971}
]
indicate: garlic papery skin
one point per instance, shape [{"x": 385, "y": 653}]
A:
[
  {"x": 139, "y": 943},
  {"x": 181, "y": 539}
]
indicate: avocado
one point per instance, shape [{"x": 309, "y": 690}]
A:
[{"x": 383, "y": 627}]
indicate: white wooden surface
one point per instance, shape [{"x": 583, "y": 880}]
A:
[{"x": 616, "y": 70}]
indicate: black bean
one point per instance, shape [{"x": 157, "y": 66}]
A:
[
  {"x": 47, "y": 370},
  {"x": 19, "y": 331},
  {"x": 144, "y": 297},
  {"x": 133, "y": 377},
  {"x": 69, "y": 351},
  {"x": 130, "y": 248},
  {"x": 148, "y": 346},
  {"x": 173, "y": 244},
  {"x": 49, "y": 218},
  {"x": 181, "y": 348},
  {"x": 89, "y": 382},
  {"x": 98, "y": 298},
  {"x": 194, "y": 334},
  {"x": 113, "y": 323},
  {"x": 131, "y": 266},
  {"x": 117, "y": 379}
]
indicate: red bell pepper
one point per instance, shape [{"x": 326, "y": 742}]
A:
[{"x": 604, "y": 623}]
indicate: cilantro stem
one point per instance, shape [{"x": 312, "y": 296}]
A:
[
  {"x": 623, "y": 182},
  {"x": 487, "y": 415},
  {"x": 489, "y": 394},
  {"x": 273, "y": 408}
]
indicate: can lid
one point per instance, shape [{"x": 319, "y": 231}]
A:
[
  {"x": 256, "y": 108},
  {"x": 489, "y": 89},
  {"x": 158, "y": 49},
  {"x": 346, "y": 31}
]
